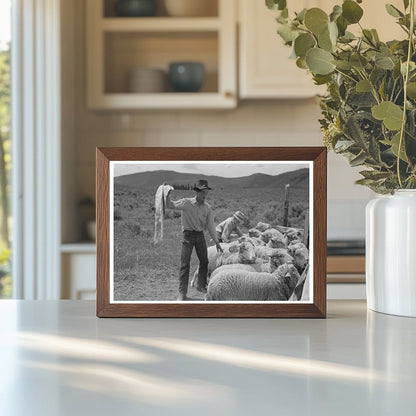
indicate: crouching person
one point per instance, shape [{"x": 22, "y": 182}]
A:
[
  {"x": 230, "y": 225},
  {"x": 196, "y": 216}
]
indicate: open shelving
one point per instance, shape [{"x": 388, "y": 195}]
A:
[{"x": 117, "y": 45}]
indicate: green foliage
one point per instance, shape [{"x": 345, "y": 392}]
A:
[
  {"x": 370, "y": 106},
  {"x": 5, "y": 281}
]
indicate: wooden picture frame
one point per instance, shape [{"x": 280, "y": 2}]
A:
[{"x": 115, "y": 161}]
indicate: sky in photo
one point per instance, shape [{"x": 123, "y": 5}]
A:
[{"x": 225, "y": 169}]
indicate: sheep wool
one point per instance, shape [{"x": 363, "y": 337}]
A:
[
  {"x": 234, "y": 285},
  {"x": 160, "y": 204}
]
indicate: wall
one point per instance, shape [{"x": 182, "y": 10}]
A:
[{"x": 253, "y": 123}]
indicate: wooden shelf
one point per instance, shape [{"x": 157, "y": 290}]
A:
[
  {"x": 160, "y": 24},
  {"x": 117, "y": 45},
  {"x": 196, "y": 100},
  {"x": 346, "y": 264},
  {"x": 345, "y": 269}
]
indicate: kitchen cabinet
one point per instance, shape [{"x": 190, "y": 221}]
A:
[
  {"x": 118, "y": 45},
  {"x": 78, "y": 262},
  {"x": 265, "y": 70}
]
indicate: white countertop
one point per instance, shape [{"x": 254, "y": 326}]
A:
[{"x": 57, "y": 358}]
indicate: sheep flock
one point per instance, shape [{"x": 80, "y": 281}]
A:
[{"x": 266, "y": 264}]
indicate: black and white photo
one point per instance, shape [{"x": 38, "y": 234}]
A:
[{"x": 207, "y": 231}]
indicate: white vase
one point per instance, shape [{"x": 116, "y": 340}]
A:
[{"x": 391, "y": 253}]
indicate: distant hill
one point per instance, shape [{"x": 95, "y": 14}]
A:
[{"x": 298, "y": 179}]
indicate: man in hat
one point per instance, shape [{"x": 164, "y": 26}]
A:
[
  {"x": 196, "y": 217},
  {"x": 230, "y": 225}
]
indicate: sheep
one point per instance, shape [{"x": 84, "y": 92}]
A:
[
  {"x": 277, "y": 242},
  {"x": 254, "y": 240},
  {"x": 300, "y": 254},
  {"x": 294, "y": 236},
  {"x": 233, "y": 253},
  {"x": 232, "y": 285},
  {"x": 271, "y": 233},
  {"x": 275, "y": 258},
  {"x": 264, "y": 252},
  {"x": 257, "y": 266},
  {"x": 262, "y": 226},
  {"x": 254, "y": 232}
]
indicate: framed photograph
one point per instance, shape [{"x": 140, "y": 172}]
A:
[{"x": 211, "y": 232}]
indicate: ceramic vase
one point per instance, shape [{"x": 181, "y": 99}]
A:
[{"x": 391, "y": 253}]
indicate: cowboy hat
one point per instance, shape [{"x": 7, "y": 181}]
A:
[
  {"x": 201, "y": 185},
  {"x": 240, "y": 216}
]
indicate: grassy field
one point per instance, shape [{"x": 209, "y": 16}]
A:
[{"x": 143, "y": 271}]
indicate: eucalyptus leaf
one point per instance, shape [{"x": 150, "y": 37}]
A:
[
  {"x": 351, "y": 11},
  {"x": 358, "y": 160},
  {"x": 358, "y": 61},
  {"x": 368, "y": 36},
  {"x": 384, "y": 62},
  {"x": 343, "y": 145},
  {"x": 325, "y": 42},
  {"x": 303, "y": 43},
  {"x": 365, "y": 182},
  {"x": 354, "y": 131},
  {"x": 374, "y": 150},
  {"x": 411, "y": 90},
  {"x": 319, "y": 61},
  {"x": 333, "y": 32},
  {"x": 342, "y": 25},
  {"x": 347, "y": 37},
  {"x": 316, "y": 20},
  {"x": 363, "y": 86},
  {"x": 375, "y": 35},
  {"x": 301, "y": 63},
  {"x": 301, "y": 15},
  {"x": 287, "y": 33},
  {"x": 391, "y": 114},
  {"x": 321, "y": 79},
  {"x": 394, "y": 144},
  {"x": 406, "y": 4},
  {"x": 336, "y": 12},
  {"x": 374, "y": 174},
  {"x": 393, "y": 11},
  {"x": 345, "y": 65},
  {"x": 276, "y": 4}
]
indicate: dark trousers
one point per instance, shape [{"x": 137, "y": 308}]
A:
[{"x": 193, "y": 239}]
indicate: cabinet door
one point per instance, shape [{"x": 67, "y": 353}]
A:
[
  {"x": 265, "y": 68},
  {"x": 266, "y": 71},
  {"x": 78, "y": 276}
]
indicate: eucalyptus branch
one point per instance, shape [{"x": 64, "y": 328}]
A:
[
  {"x": 346, "y": 75},
  {"x": 373, "y": 88},
  {"x": 406, "y": 79}
]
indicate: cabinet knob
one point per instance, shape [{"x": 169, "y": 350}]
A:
[{"x": 229, "y": 94}]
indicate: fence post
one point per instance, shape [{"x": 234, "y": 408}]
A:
[
  {"x": 306, "y": 229},
  {"x": 286, "y": 206}
]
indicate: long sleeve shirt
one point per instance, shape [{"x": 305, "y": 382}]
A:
[
  {"x": 195, "y": 217},
  {"x": 226, "y": 227}
]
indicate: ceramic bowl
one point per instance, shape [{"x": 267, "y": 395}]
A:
[
  {"x": 135, "y": 8},
  {"x": 186, "y": 76},
  {"x": 147, "y": 80}
]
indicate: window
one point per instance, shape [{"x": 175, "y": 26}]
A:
[{"x": 5, "y": 147}]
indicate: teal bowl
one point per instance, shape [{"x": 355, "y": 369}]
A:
[
  {"x": 186, "y": 76},
  {"x": 135, "y": 8}
]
